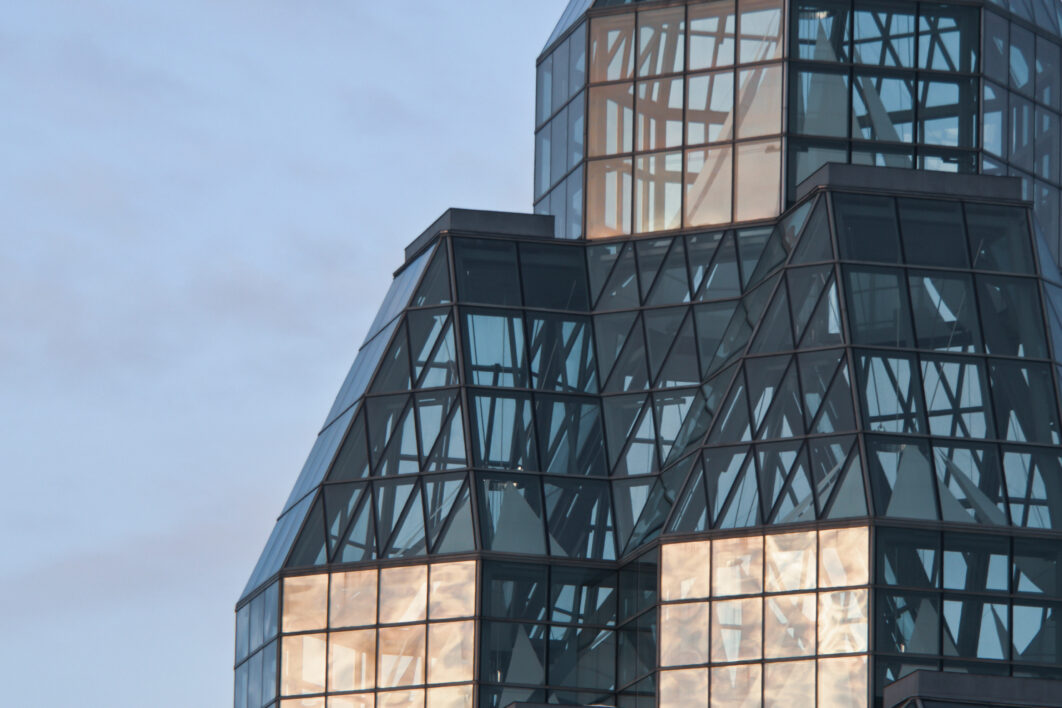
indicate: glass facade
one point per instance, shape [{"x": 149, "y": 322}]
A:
[{"x": 698, "y": 440}]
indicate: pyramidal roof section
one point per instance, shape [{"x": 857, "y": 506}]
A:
[{"x": 575, "y": 10}]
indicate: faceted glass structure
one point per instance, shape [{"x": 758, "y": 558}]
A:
[{"x": 742, "y": 418}]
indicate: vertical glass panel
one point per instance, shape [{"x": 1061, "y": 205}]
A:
[
  {"x": 403, "y": 594},
  {"x": 558, "y": 161},
  {"x": 956, "y": 397},
  {"x": 736, "y": 686},
  {"x": 907, "y": 623},
  {"x": 712, "y": 33},
  {"x": 933, "y": 233},
  {"x": 1046, "y": 153},
  {"x": 710, "y": 107},
  {"x": 543, "y": 265},
  {"x": 684, "y": 634},
  {"x": 883, "y": 108},
  {"x": 844, "y": 557},
  {"x": 680, "y": 689},
  {"x": 945, "y": 313},
  {"x": 684, "y": 570},
  {"x": 975, "y": 563},
  {"x": 1036, "y": 633},
  {"x": 611, "y": 119},
  {"x": 1037, "y": 567},
  {"x": 608, "y": 205},
  {"x": 1048, "y": 66},
  {"x": 817, "y": 98},
  {"x": 452, "y": 652},
  {"x": 737, "y": 566},
  {"x": 514, "y": 591},
  {"x": 579, "y": 519},
  {"x": 1013, "y": 320},
  {"x": 583, "y": 596},
  {"x": 999, "y": 238},
  {"x": 883, "y": 34},
  {"x": 453, "y": 590},
  {"x": 352, "y": 660},
  {"x": 353, "y": 599},
  {"x": 908, "y": 558},
  {"x": 787, "y": 683},
  {"x": 789, "y": 625},
  {"x": 561, "y": 353},
  {"x": 1022, "y": 62},
  {"x": 486, "y": 271},
  {"x": 661, "y": 41},
  {"x": 822, "y": 30},
  {"x": 901, "y": 477},
  {"x": 659, "y": 118},
  {"x": 401, "y": 658},
  {"x": 789, "y": 561},
  {"x": 947, "y": 110},
  {"x": 970, "y": 484},
  {"x": 612, "y": 47},
  {"x": 511, "y": 514},
  {"x": 737, "y": 629},
  {"x": 757, "y": 180},
  {"x": 1032, "y": 487},
  {"x": 304, "y": 664},
  {"x": 948, "y": 38},
  {"x": 544, "y": 90},
  {"x": 569, "y": 433},
  {"x": 543, "y": 154},
  {"x": 867, "y": 229},
  {"x": 658, "y": 192},
  {"x": 805, "y": 158},
  {"x": 842, "y": 682},
  {"x": 996, "y": 47},
  {"x": 513, "y": 653},
  {"x": 305, "y": 603},
  {"x": 760, "y": 27},
  {"x": 449, "y": 697},
  {"x": 505, "y": 436},
  {"x": 709, "y": 181},
  {"x": 843, "y": 621},
  {"x": 759, "y": 101},
  {"x": 996, "y": 137},
  {"x": 877, "y": 307}
]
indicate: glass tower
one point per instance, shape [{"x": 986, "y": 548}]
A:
[{"x": 760, "y": 408}]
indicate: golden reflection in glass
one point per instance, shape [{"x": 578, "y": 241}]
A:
[
  {"x": 403, "y": 594},
  {"x": 452, "y": 652},
  {"x": 658, "y": 192},
  {"x": 737, "y": 686},
  {"x": 789, "y": 625},
  {"x": 842, "y": 682},
  {"x": 843, "y": 621},
  {"x": 413, "y": 698},
  {"x": 789, "y": 561},
  {"x": 305, "y": 603},
  {"x": 611, "y": 120},
  {"x": 684, "y": 688},
  {"x": 453, "y": 590},
  {"x": 661, "y": 41},
  {"x": 608, "y": 198},
  {"x": 303, "y": 664},
  {"x": 789, "y": 683},
  {"x": 712, "y": 29},
  {"x": 360, "y": 700},
  {"x": 684, "y": 634},
  {"x": 737, "y": 629},
  {"x": 757, "y": 179},
  {"x": 709, "y": 182},
  {"x": 401, "y": 659},
  {"x": 737, "y": 566},
  {"x": 684, "y": 570},
  {"x": 353, "y": 599},
  {"x": 352, "y": 660},
  {"x": 303, "y": 703},
  {"x": 844, "y": 557},
  {"x": 450, "y": 697},
  {"x": 659, "y": 121},
  {"x": 761, "y": 30},
  {"x": 759, "y": 101},
  {"x": 612, "y": 47}
]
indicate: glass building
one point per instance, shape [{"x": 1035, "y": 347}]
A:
[{"x": 759, "y": 409}]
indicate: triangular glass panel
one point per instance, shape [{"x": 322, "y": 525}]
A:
[
  {"x": 352, "y": 460},
  {"x": 409, "y": 539},
  {"x": 850, "y": 500},
  {"x": 661, "y": 326},
  {"x": 797, "y": 501},
  {"x": 601, "y": 259},
  {"x": 310, "y": 548},
  {"x": 384, "y": 414},
  {"x": 712, "y": 321},
  {"x": 391, "y": 497},
  {"x": 1032, "y": 478},
  {"x": 629, "y": 497},
  {"x": 425, "y": 326},
  {"x": 340, "y": 503},
  {"x": 610, "y": 334},
  {"x": 775, "y": 462},
  {"x": 722, "y": 279},
  {"x": 672, "y": 282},
  {"x": 722, "y": 467},
  {"x": 691, "y": 513},
  {"x": 651, "y": 521},
  {"x": 701, "y": 248},
  {"x": 621, "y": 415},
  {"x": 671, "y": 409},
  {"x": 393, "y": 374},
  {"x": 457, "y": 535},
  {"x": 817, "y": 370},
  {"x": 640, "y": 456},
  {"x": 971, "y": 484},
  {"x": 629, "y": 373},
  {"x": 440, "y": 494},
  {"x": 732, "y": 420},
  {"x": 651, "y": 254},
  {"x": 824, "y": 327},
  {"x": 432, "y": 411},
  {"x": 621, "y": 290},
  {"x": 805, "y": 289},
  {"x": 701, "y": 412},
  {"x": 561, "y": 353},
  {"x": 890, "y": 393},
  {"x": 751, "y": 245},
  {"x": 579, "y": 519},
  {"x": 360, "y": 544},
  {"x": 441, "y": 369},
  {"x": 836, "y": 414},
  {"x": 401, "y": 455},
  {"x": 764, "y": 376},
  {"x": 775, "y": 333},
  {"x": 791, "y": 225},
  {"x": 675, "y": 476},
  {"x": 743, "y": 509},
  {"x": 681, "y": 366},
  {"x": 570, "y": 436},
  {"x": 738, "y": 331},
  {"x": 449, "y": 452},
  {"x": 814, "y": 244},
  {"x": 828, "y": 457},
  {"x": 772, "y": 258},
  {"x": 435, "y": 285}
]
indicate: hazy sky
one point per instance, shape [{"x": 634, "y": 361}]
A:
[{"x": 202, "y": 202}]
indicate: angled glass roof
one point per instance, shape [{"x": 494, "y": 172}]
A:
[{"x": 571, "y": 15}]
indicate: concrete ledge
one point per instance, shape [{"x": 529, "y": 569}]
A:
[
  {"x": 475, "y": 221},
  {"x": 976, "y": 689},
  {"x": 898, "y": 180}
]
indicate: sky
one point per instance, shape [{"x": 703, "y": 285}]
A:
[{"x": 201, "y": 204}]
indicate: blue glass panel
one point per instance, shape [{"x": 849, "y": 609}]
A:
[
  {"x": 511, "y": 513},
  {"x": 320, "y": 458},
  {"x": 360, "y": 372},
  {"x": 398, "y": 295}
]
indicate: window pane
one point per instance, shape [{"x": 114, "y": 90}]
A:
[
  {"x": 450, "y": 697},
  {"x": 842, "y": 682},
  {"x": 353, "y": 599},
  {"x": 712, "y": 35},
  {"x": 658, "y": 192},
  {"x": 822, "y": 30},
  {"x": 401, "y": 660},
  {"x": 452, "y": 652},
  {"x": 789, "y": 561},
  {"x": 486, "y": 271},
  {"x": 883, "y": 34},
  {"x": 403, "y": 594},
  {"x": 1010, "y": 311},
  {"x": 736, "y": 686},
  {"x": 709, "y": 180},
  {"x": 757, "y": 180},
  {"x": 761, "y": 30},
  {"x": 680, "y": 689},
  {"x": 1022, "y": 61},
  {"x": 844, "y": 557},
  {"x": 659, "y": 114},
  {"x": 303, "y": 669},
  {"x": 945, "y": 313},
  {"x": 661, "y": 41},
  {"x": 819, "y": 99},
  {"x": 608, "y": 206},
  {"x": 789, "y": 625},
  {"x": 352, "y": 660},
  {"x": 1048, "y": 66},
  {"x": 877, "y": 307},
  {"x": 684, "y": 634},
  {"x": 737, "y": 566},
  {"x": 788, "y": 683},
  {"x": 947, "y": 110},
  {"x": 684, "y": 570},
  {"x": 453, "y": 590},
  {"x": 883, "y": 108},
  {"x": 999, "y": 238},
  {"x": 611, "y": 120},
  {"x": 400, "y": 699},
  {"x": 612, "y": 47},
  {"x": 948, "y": 38},
  {"x": 710, "y": 108},
  {"x": 843, "y": 621},
  {"x": 759, "y": 104},
  {"x": 305, "y": 603},
  {"x": 736, "y": 629},
  {"x": 867, "y": 228}
]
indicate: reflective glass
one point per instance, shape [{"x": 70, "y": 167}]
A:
[
  {"x": 453, "y": 590},
  {"x": 901, "y": 477},
  {"x": 401, "y": 656},
  {"x": 878, "y": 308},
  {"x": 684, "y": 570},
  {"x": 970, "y": 484},
  {"x": 1048, "y": 66},
  {"x": 761, "y": 29},
  {"x": 1037, "y": 567},
  {"x": 737, "y": 566},
  {"x": 945, "y": 312},
  {"x": 659, "y": 115},
  {"x": 816, "y": 96},
  {"x": 996, "y": 137},
  {"x": 867, "y": 228},
  {"x": 352, "y": 660},
  {"x": 303, "y": 664},
  {"x": 975, "y": 563},
  {"x": 1024, "y": 402},
  {"x": 822, "y": 29},
  {"x": 658, "y": 192},
  {"x": 449, "y": 697},
  {"x": 403, "y": 594},
  {"x": 612, "y": 47},
  {"x": 933, "y": 233},
  {"x": 883, "y": 34},
  {"x": 709, "y": 182},
  {"x": 996, "y": 47},
  {"x": 512, "y": 653},
  {"x": 844, "y": 557},
  {"x": 511, "y": 514},
  {"x": 737, "y": 629},
  {"x": 305, "y": 603},
  {"x": 353, "y": 599},
  {"x": 400, "y": 699},
  {"x": 680, "y": 689},
  {"x": 486, "y": 271},
  {"x": 789, "y": 625},
  {"x": 759, "y": 101},
  {"x": 736, "y": 686},
  {"x": 757, "y": 180},
  {"x": 956, "y": 396},
  {"x": 611, "y": 119},
  {"x": 504, "y": 432},
  {"x": 608, "y": 207},
  {"x": 882, "y": 108},
  {"x": 1036, "y": 633},
  {"x": 947, "y": 110},
  {"x": 553, "y": 276},
  {"x": 999, "y": 238},
  {"x": 843, "y": 621},
  {"x": 583, "y": 596},
  {"x": 712, "y": 30},
  {"x": 661, "y": 41},
  {"x": 1022, "y": 133},
  {"x": 948, "y": 38},
  {"x": 788, "y": 683},
  {"x": 907, "y": 623},
  {"x": 710, "y": 107},
  {"x": 451, "y": 652},
  {"x": 789, "y": 561},
  {"x": 1022, "y": 59},
  {"x": 1013, "y": 321},
  {"x": 684, "y": 634},
  {"x": 842, "y": 682}
]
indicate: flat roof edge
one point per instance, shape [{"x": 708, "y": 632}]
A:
[
  {"x": 980, "y": 688},
  {"x": 902, "y": 180},
  {"x": 500, "y": 223}
]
